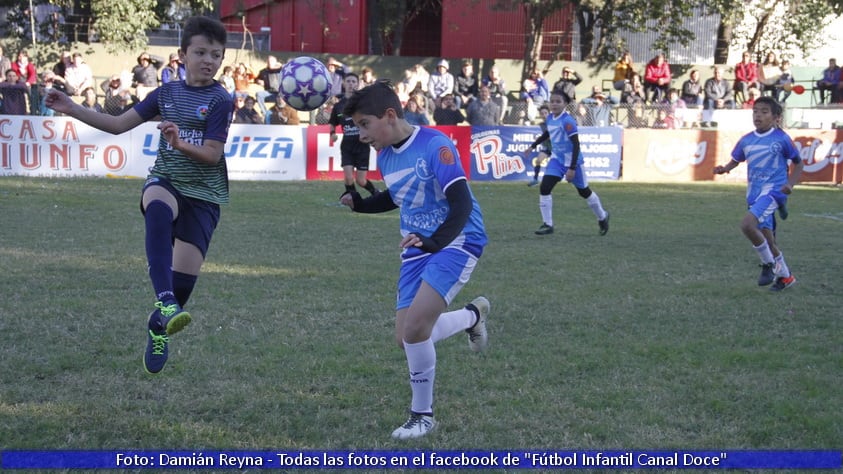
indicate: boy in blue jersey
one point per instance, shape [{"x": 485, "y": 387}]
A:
[
  {"x": 442, "y": 237},
  {"x": 185, "y": 187},
  {"x": 768, "y": 151},
  {"x": 565, "y": 161}
]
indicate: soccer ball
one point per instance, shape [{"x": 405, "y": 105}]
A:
[{"x": 305, "y": 83}]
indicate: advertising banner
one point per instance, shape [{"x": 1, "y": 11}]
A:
[{"x": 498, "y": 152}]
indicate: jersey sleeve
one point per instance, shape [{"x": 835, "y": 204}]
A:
[{"x": 444, "y": 161}]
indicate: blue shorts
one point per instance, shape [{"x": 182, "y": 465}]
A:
[
  {"x": 764, "y": 208},
  {"x": 197, "y": 219},
  {"x": 556, "y": 168},
  {"x": 446, "y": 271}
]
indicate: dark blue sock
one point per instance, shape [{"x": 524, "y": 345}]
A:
[
  {"x": 182, "y": 286},
  {"x": 159, "y": 249}
]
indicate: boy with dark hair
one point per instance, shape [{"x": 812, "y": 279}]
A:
[
  {"x": 768, "y": 152},
  {"x": 442, "y": 237},
  {"x": 181, "y": 197}
]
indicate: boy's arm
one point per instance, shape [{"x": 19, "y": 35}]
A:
[
  {"x": 380, "y": 202},
  {"x": 116, "y": 125},
  {"x": 794, "y": 177},
  {"x": 721, "y": 169}
]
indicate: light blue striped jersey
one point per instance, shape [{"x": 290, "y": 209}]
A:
[
  {"x": 417, "y": 175},
  {"x": 201, "y": 113},
  {"x": 767, "y": 156}
]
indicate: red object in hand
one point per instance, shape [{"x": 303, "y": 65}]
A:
[{"x": 798, "y": 89}]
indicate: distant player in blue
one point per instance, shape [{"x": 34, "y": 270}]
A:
[
  {"x": 565, "y": 161},
  {"x": 442, "y": 237},
  {"x": 768, "y": 152},
  {"x": 185, "y": 187},
  {"x": 544, "y": 147}
]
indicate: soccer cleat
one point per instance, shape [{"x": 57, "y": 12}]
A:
[
  {"x": 545, "y": 229},
  {"x": 783, "y": 282},
  {"x": 767, "y": 274},
  {"x": 174, "y": 318},
  {"x": 604, "y": 224},
  {"x": 156, "y": 344},
  {"x": 533, "y": 183},
  {"x": 416, "y": 426},
  {"x": 478, "y": 338}
]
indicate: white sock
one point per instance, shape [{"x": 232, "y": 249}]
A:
[
  {"x": 421, "y": 360},
  {"x": 546, "y": 208},
  {"x": 781, "y": 269},
  {"x": 451, "y": 323},
  {"x": 764, "y": 253},
  {"x": 596, "y": 206}
]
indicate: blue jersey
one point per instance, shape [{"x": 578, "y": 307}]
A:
[
  {"x": 417, "y": 175},
  {"x": 767, "y": 156},
  {"x": 561, "y": 128}
]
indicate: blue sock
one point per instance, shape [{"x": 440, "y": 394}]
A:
[
  {"x": 159, "y": 249},
  {"x": 182, "y": 286}
]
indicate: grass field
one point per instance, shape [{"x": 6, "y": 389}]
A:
[{"x": 655, "y": 336}]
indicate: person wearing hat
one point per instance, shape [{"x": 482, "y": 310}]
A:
[
  {"x": 337, "y": 71},
  {"x": 174, "y": 70},
  {"x": 598, "y": 108},
  {"x": 441, "y": 82},
  {"x": 145, "y": 74},
  {"x": 567, "y": 84}
]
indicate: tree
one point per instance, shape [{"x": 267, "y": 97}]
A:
[{"x": 388, "y": 18}]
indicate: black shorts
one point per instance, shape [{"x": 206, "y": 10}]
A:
[
  {"x": 197, "y": 219},
  {"x": 355, "y": 154}
]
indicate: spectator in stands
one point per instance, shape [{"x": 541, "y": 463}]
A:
[
  {"x": 337, "y": 71},
  {"x": 78, "y": 75},
  {"x": 497, "y": 89},
  {"x": 174, "y": 70},
  {"x": 581, "y": 115},
  {"x": 718, "y": 93},
  {"x": 247, "y": 113},
  {"x": 283, "y": 114},
  {"x": 692, "y": 90},
  {"x": 534, "y": 92},
  {"x": 89, "y": 100},
  {"x": 227, "y": 79},
  {"x": 768, "y": 73},
  {"x": 636, "y": 117},
  {"x": 441, "y": 82},
  {"x": 786, "y": 78},
  {"x": 367, "y": 77},
  {"x": 465, "y": 85},
  {"x": 567, "y": 84},
  {"x": 65, "y": 60},
  {"x": 599, "y": 109},
  {"x": 624, "y": 70},
  {"x": 114, "y": 89},
  {"x": 5, "y": 63},
  {"x": 752, "y": 94},
  {"x": 402, "y": 92},
  {"x": 633, "y": 91},
  {"x": 243, "y": 78},
  {"x": 448, "y": 113},
  {"x": 417, "y": 79},
  {"x": 661, "y": 120},
  {"x": 657, "y": 78},
  {"x": 484, "y": 111},
  {"x": 830, "y": 82},
  {"x": 28, "y": 73},
  {"x": 413, "y": 115},
  {"x": 269, "y": 80},
  {"x": 746, "y": 76},
  {"x": 14, "y": 91},
  {"x": 48, "y": 83},
  {"x": 145, "y": 74},
  {"x": 675, "y": 108}
]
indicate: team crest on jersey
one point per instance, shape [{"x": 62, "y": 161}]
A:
[
  {"x": 569, "y": 127},
  {"x": 446, "y": 156},
  {"x": 776, "y": 149},
  {"x": 202, "y": 112},
  {"x": 422, "y": 170}
]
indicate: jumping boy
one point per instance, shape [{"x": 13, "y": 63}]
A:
[
  {"x": 442, "y": 237},
  {"x": 767, "y": 152},
  {"x": 181, "y": 197},
  {"x": 565, "y": 161}
]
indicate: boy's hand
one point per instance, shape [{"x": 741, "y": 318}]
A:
[
  {"x": 58, "y": 101},
  {"x": 719, "y": 169}
]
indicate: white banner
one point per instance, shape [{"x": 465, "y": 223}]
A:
[{"x": 63, "y": 147}]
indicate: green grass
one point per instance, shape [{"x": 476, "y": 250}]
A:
[{"x": 653, "y": 337}]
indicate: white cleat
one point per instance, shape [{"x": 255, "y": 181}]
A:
[
  {"x": 478, "y": 338},
  {"x": 415, "y": 427}
]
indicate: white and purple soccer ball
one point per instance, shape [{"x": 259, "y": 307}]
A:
[{"x": 305, "y": 83}]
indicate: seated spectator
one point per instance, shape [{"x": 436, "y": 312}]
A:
[
  {"x": 114, "y": 89},
  {"x": 247, "y": 113},
  {"x": 269, "y": 80},
  {"x": 416, "y": 78},
  {"x": 624, "y": 70},
  {"x": 786, "y": 78},
  {"x": 633, "y": 91},
  {"x": 534, "y": 92},
  {"x": 484, "y": 111},
  {"x": 692, "y": 90},
  {"x": 14, "y": 91},
  {"x": 145, "y": 74},
  {"x": 78, "y": 76},
  {"x": 581, "y": 115},
  {"x": 768, "y": 73},
  {"x": 127, "y": 101},
  {"x": 675, "y": 108},
  {"x": 448, "y": 113},
  {"x": 636, "y": 117},
  {"x": 497, "y": 89},
  {"x": 227, "y": 79},
  {"x": 598, "y": 91},
  {"x": 243, "y": 78},
  {"x": 441, "y": 82},
  {"x": 337, "y": 71},
  {"x": 657, "y": 78},
  {"x": 567, "y": 84},
  {"x": 599, "y": 110},
  {"x": 661, "y": 120},
  {"x": 283, "y": 114},
  {"x": 65, "y": 60},
  {"x": 746, "y": 76},
  {"x": 752, "y": 94},
  {"x": 465, "y": 85},
  {"x": 829, "y": 84},
  {"x": 367, "y": 77},
  {"x": 413, "y": 115},
  {"x": 174, "y": 70},
  {"x": 89, "y": 100},
  {"x": 718, "y": 92}
]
